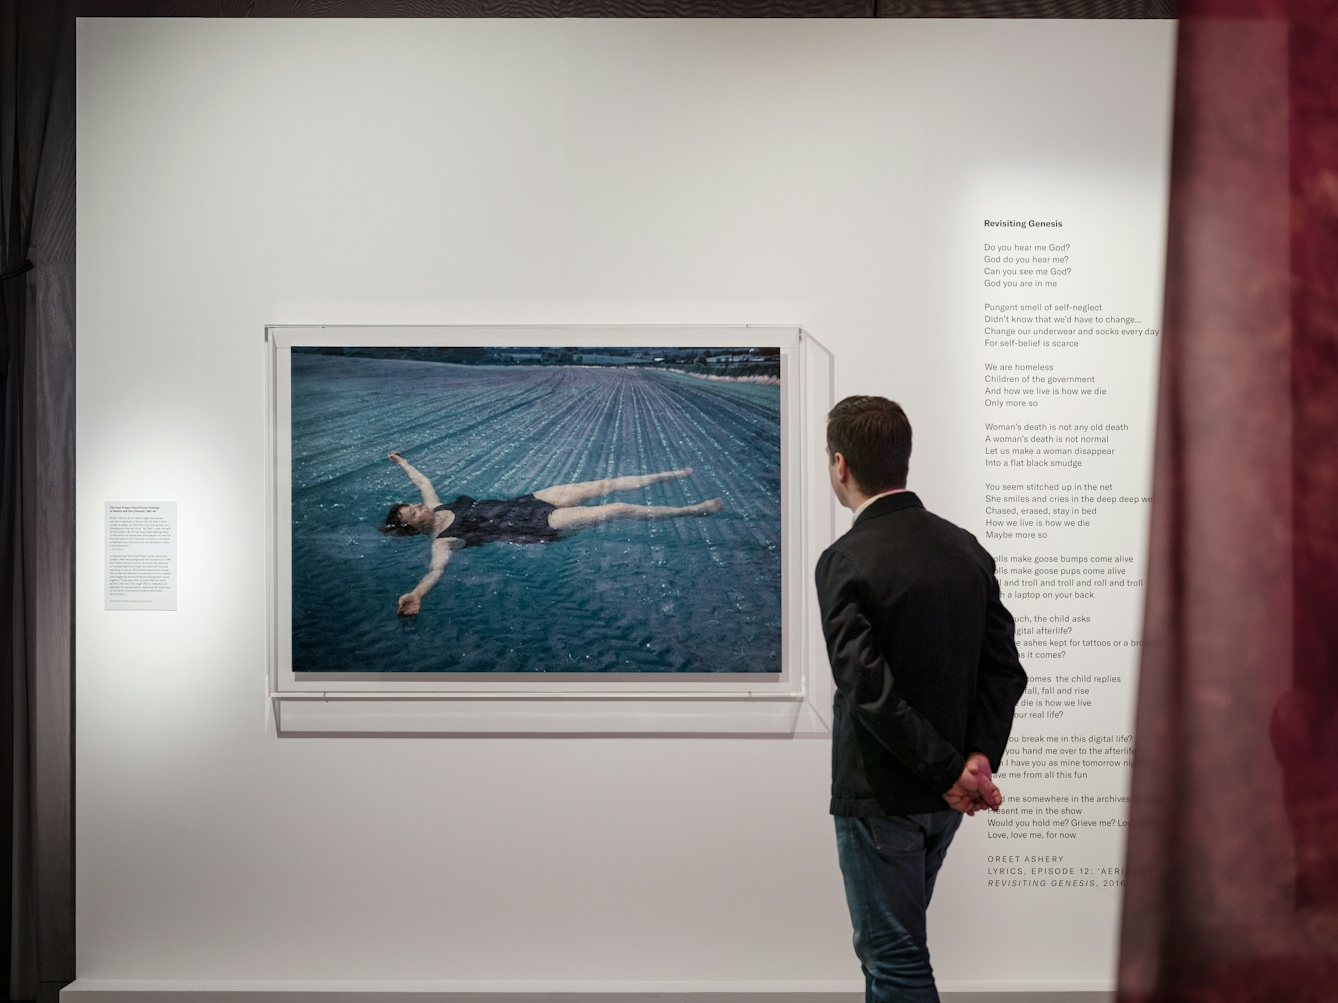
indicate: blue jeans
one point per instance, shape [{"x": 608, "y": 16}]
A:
[{"x": 889, "y": 866}]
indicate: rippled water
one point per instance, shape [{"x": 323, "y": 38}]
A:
[{"x": 682, "y": 595}]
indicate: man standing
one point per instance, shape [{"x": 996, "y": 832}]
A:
[{"x": 927, "y": 676}]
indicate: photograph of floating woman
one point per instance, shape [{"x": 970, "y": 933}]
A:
[{"x": 471, "y": 510}]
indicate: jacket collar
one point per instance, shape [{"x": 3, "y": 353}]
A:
[{"x": 888, "y": 505}]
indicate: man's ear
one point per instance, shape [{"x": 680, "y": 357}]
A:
[{"x": 842, "y": 468}]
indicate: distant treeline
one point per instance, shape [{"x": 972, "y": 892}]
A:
[
  {"x": 724, "y": 361},
  {"x": 727, "y": 368}
]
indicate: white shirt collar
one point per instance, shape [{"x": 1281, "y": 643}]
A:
[{"x": 869, "y": 501}]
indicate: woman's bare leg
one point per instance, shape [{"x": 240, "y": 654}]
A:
[
  {"x": 564, "y": 495},
  {"x": 593, "y": 515}
]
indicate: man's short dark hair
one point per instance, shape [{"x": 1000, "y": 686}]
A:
[
  {"x": 874, "y": 435},
  {"x": 395, "y": 524}
]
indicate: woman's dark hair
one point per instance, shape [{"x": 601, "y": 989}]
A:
[
  {"x": 874, "y": 435},
  {"x": 395, "y": 524}
]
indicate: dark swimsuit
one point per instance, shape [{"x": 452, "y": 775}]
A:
[{"x": 515, "y": 520}]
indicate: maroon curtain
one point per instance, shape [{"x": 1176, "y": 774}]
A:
[{"x": 1232, "y": 884}]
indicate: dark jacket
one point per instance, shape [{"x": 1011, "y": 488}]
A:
[{"x": 923, "y": 655}]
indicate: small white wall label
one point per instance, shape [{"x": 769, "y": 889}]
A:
[{"x": 141, "y": 549}]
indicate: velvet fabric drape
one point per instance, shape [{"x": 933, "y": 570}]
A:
[
  {"x": 36, "y": 496},
  {"x": 1232, "y": 884}
]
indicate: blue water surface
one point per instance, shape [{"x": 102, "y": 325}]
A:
[{"x": 682, "y": 595}]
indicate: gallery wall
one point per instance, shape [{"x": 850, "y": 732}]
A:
[{"x": 234, "y": 174}]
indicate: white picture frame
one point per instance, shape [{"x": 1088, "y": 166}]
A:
[{"x": 795, "y": 699}]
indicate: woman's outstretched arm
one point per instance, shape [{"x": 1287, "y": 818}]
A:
[
  {"x": 420, "y": 481},
  {"x": 411, "y": 602}
]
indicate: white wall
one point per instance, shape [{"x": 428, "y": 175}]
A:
[{"x": 239, "y": 173}]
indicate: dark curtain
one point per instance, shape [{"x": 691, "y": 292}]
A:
[
  {"x": 36, "y": 495},
  {"x": 1232, "y": 885}
]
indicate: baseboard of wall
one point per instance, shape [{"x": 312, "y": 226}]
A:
[{"x": 267, "y": 991}]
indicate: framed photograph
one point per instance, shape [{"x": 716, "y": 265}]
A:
[{"x": 546, "y": 529}]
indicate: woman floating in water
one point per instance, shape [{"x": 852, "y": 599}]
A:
[{"x": 542, "y": 517}]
